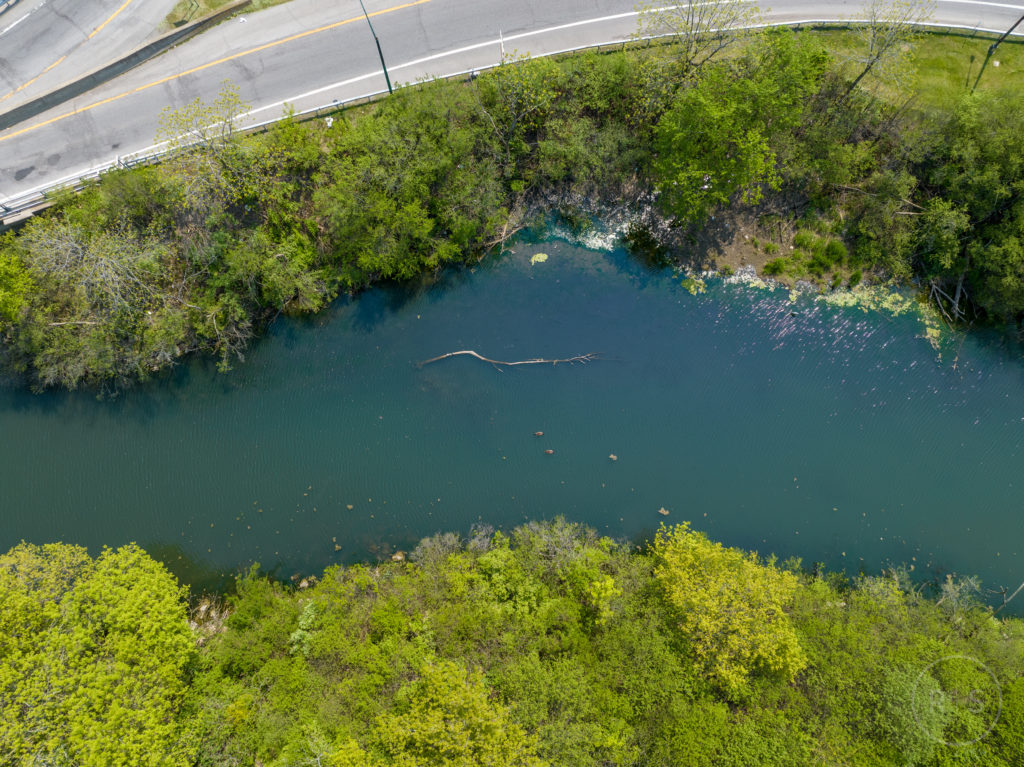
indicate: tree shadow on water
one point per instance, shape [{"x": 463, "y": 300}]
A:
[{"x": 200, "y": 576}]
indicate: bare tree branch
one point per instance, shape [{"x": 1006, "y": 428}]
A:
[
  {"x": 581, "y": 358},
  {"x": 886, "y": 37},
  {"x": 701, "y": 30}
]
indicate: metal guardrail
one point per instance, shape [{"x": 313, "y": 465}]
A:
[{"x": 16, "y": 208}]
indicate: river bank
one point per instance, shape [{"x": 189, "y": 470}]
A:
[
  {"x": 545, "y": 645},
  {"x": 806, "y": 175}
]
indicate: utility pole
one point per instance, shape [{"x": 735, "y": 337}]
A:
[
  {"x": 379, "y": 51},
  {"x": 992, "y": 49}
]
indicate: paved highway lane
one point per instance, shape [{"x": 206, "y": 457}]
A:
[
  {"x": 46, "y": 43},
  {"x": 309, "y": 53}
]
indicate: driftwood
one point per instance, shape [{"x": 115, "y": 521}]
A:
[
  {"x": 1006, "y": 600},
  {"x": 581, "y": 358}
]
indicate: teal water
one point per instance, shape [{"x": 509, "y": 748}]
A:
[{"x": 828, "y": 433}]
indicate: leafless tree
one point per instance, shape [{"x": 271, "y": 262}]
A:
[
  {"x": 701, "y": 30},
  {"x": 886, "y": 37},
  {"x": 113, "y": 270}
]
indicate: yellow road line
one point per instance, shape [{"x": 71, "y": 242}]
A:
[
  {"x": 201, "y": 67},
  {"x": 25, "y": 85},
  {"x": 96, "y": 31},
  {"x": 112, "y": 17}
]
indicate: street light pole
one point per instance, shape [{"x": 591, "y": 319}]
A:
[
  {"x": 991, "y": 50},
  {"x": 379, "y": 51}
]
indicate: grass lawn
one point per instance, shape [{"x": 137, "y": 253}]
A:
[{"x": 944, "y": 67}]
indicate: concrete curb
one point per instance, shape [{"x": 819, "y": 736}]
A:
[{"x": 84, "y": 84}]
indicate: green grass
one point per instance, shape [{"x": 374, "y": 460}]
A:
[
  {"x": 818, "y": 259},
  {"x": 191, "y": 10},
  {"x": 945, "y": 66}
]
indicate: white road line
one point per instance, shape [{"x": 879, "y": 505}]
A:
[
  {"x": 502, "y": 39},
  {"x": 11, "y": 26},
  {"x": 495, "y": 42},
  {"x": 979, "y": 2},
  {"x": 8, "y": 28}
]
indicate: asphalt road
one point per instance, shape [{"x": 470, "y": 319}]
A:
[
  {"x": 46, "y": 43},
  {"x": 310, "y": 53}
]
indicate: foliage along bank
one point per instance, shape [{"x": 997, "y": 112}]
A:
[
  {"x": 200, "y": 252},
  {"x": 547, "y": 646}
]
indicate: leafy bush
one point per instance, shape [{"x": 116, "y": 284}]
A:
[
  {"x": 804, "y": 240},
  {"x": 707, "y": 584},
  {"x": 836, "y": 252}
]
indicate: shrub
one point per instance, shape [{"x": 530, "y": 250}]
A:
[
  {"x": 804, "y": 239},
  {"x": 836, "y": 252}
]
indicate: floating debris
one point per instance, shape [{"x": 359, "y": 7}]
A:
[
  {"x": 398, "y": 556},
  {"x": 613, "y": 457},
  {"x": 538, "y": 258},
  {"x": 538, "y": 434},
  {"x": 349, "y": 506},
  {"x": 663, "y": 511}
]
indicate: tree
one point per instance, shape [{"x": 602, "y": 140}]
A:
[
  {"x": 15, "y": 282},
  {"x": 885, "y": 38},
  {"x": 700, "y": 30},
  {"x": 93, "y": 655},
  {"x": 209, "y": 167},
  {"x": 716, "y": 142},
  {"x": 111, "y": 271},
  {"x": 202, "y": 126},
  {"x": 515, "y": 98},
  {"x": 912, "y": 714},
  {"x": 447, "y": 717},
  {"x": 730, "y": 606},
  {"x": 975, "y": 175}
]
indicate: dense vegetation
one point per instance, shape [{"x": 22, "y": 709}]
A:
[
  {"x": 199, "y": 252},
  {"x": 546, "y": 646}
]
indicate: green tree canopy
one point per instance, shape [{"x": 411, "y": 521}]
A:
[
  {"x": 93, "y": 658},
  {"x": 717, "y": 140},
  {"x": 15, "y": 283},
  {"x": 447, "y": 717},
  {"x": 731, "y": 607}
]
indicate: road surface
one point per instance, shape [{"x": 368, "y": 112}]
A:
[
  {"x": 310, "y": 52},
  {"x": 47, "y": 43}
]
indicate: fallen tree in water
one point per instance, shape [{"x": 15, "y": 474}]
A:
[{"x": 582, "y": 358}]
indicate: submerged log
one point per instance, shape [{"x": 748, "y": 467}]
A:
[{"x": 581, "y": 358}]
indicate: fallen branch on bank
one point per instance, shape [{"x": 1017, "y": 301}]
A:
[{"x": 582, "y": 359}]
